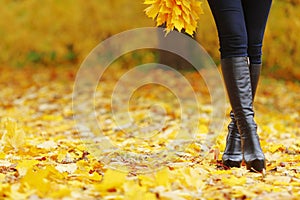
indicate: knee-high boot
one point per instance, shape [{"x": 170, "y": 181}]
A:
[
  {"x": 233, "y": 156},
  {"x": 238, "y": 83}
]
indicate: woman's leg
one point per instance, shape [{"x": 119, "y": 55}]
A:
[
  {"x": 232, "y": 30},
  {"x": 229, "y": 19},
  {"x": 231, "y": 26},
  {"x": 256, "y": 14}
]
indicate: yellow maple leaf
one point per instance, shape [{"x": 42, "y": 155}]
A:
[
  {"x": 233, "y": 181},
  {"x": 152, "y": 11},
  {"x": 2, "y": 155},
  {"x": 176, "y": 11},
  {"x": 25, "y": 165},
  {"x": 36, "y": 180},
  {"x": 112, "y": 179},
  {"x": 179, "y": 14},
  {"x": 12, "y": 134},
  {"x": 276, "y": 147},
  {"x": 146, "y": 180},
  {"x": 134, "y": 191},
  {"x": 163, "y": 177},
  {"x": 94, "y": 176},
  {"x": 2, "y": 177},
  {"x": 63, "y": 191}
]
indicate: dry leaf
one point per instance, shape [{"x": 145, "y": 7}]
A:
[
  {"x": 179, "y": 14},
  {"x": 13, "y": 135}
]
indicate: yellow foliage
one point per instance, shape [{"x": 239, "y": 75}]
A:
[
  {"x": 234, "y": 181},
  {"x": 134, "y": 191},
  {"x": 25, "y": 165},
  {"x": 175, "y": 14},
  {"x": 64, "y": 32},
  {"x": 35, "y": 179},
  {"x": 112, "y": 179},
  {"x": 13, "y": 135},
  {"x": 53, "y": 163},
  {"x": 61, "y": 192},
  {"x": 162, "y": 177}
]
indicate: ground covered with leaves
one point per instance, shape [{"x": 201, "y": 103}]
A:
[{"x": 43, "y": 157}]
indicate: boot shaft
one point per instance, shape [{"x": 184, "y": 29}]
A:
[
  {"x": 255, "y": 70},
  {"x": 237, "y": 80}
]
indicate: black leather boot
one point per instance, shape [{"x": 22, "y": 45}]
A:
[
  {"x": 237, "y": 79},
  {"x": 233, "y": 156}
]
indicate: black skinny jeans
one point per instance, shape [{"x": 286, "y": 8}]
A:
[{"x": 241, "y": 26}]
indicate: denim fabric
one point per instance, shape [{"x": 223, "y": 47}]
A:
[{"x": 241, "y": 26}]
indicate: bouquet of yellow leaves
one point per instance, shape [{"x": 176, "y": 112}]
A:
[{"x": 179, "y": 14}]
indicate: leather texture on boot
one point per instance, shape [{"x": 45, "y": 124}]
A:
[
  {"x": 237, "y": 79},
  {"x": 255, "y": 70},
  {"x": 232, "y": 156}
]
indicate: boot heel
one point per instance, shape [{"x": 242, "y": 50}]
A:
[{"x": 256, "y": 165}]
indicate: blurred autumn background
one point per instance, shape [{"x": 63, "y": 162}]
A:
[
  {"x": 58, "y": 33},
  {"x": 42, "y": 46}
]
